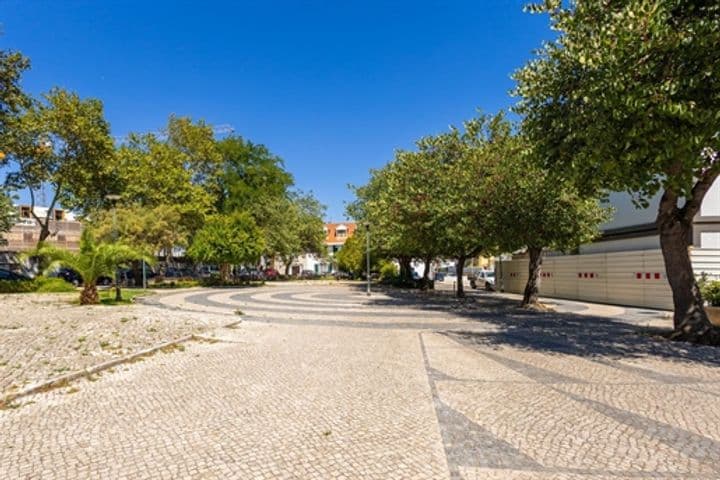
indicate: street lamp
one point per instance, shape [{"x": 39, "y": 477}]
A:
[
  {"x": 114, "y": 198},
  {"x": 367, "y": 230}
]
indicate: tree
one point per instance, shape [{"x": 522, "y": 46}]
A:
[
  {"x": 292, "y": 225},
  {"x": 352, "y": 257},
  {"x": 8, "y": 215},
  {"x": 166, "y": 184},
  {"x": 12, "y": 99},
  {"x": 627, "y": 99},
  {"x": 534, "y": 209},
  {"x": 64, "y": 142},
  {"x": 461, "y": 199},
  {"x": 226, "y": 240},
  {"x": 93, "y": 261},
  {"x": 250, "y": 175}
]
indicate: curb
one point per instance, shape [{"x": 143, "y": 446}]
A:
[{"x": 63, "y": 380}]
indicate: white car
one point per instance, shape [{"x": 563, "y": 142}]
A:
[{"x": 485, "y": 278}]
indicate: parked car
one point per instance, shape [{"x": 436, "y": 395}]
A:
[
  {"x": 67, "y": 274},
  {"x": 483, "y": 277},
  {"x": 11, "y": 276},
  {"x": 308, "y": 274},
  {"x": 340, "y": 275},
  {"x": 271, "y": 274},
  {"x": 172, "y": 272},
  {"x": 256, "y": 275}
]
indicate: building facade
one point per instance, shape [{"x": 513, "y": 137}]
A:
[
  {"x": 323, "y": 263},
  {"x": 65, "y": 230}
]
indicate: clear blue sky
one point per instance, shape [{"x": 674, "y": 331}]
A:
[{"x": 333, "y": 87}]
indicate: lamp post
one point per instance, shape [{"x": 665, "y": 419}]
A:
[
  {"x": 367, "y": 259},
  {"x": 114, "y": 198}
]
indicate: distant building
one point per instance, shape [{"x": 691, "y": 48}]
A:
[
  {"x": 65, "y": 230},
  {"x": 323, "y": 263}
]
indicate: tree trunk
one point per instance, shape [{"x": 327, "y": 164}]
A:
[
  {"x": 532, "y": 287},
  {"x": 406, "y": 270},
  {"x": 287, "y": 269},
  {"x": 426, "y": 284},
  {"x": 459, "y": 268},
  {"x": 89, "y": 295},
  {"x": 224, "y": 272},
  {"x": 689, "y": 319}
]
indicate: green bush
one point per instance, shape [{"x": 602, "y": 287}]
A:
[
  {"x": 10, "y": 286},
  {"x": 711, "y": 292},
  {"x": 388, "y": 271},
  {"x": 39, "y": 284},
  {"x": 52, "y": 285},
  {"x": 175, "y": 284}
]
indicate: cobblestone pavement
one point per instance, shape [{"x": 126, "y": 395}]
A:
[
  {"x": 44, "y": 335},
  {"x": 324, "y": 382}
]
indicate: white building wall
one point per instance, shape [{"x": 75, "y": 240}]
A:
[{"x": 635, "y": 278}]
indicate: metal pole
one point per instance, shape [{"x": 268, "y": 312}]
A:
[
  {"x": 144, "y": 275},
  {"x": 118, "y": 295},
  {"x": 367, "y": 229}
]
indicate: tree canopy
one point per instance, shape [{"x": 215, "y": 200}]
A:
[{"x": 626, "y": 98}]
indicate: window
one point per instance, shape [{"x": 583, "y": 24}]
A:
[
  {"x": 27, "y": 237},
  {"x": 59, "y": 215},
  {"x": 25, "y": 212},
  {"x": 341, "y": 233}
]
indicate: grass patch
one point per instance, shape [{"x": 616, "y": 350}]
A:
[{"x": 107, "y": 297}]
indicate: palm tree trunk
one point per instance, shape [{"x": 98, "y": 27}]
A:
[{"x": 89, "y": 295}]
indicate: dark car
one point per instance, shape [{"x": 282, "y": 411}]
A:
[
  {"x": 11, "y": 276},
  {"x": 340, "y": 275},
  {"x": 309, "y": 274},
  {"x": 69, "y": 275}
]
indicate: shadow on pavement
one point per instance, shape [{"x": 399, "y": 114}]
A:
[{"x": 548, "y": 332}]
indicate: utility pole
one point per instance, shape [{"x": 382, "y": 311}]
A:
[{"x": 367, "y": 230}]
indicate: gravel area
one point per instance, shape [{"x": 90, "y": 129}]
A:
[{"x": 44, "y": 335}]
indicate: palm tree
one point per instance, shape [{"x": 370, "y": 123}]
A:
[{"x": 93, "y": 261}]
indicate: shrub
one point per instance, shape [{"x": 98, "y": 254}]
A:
[
  {"x": 52, "y": 285},
  {"x": 711, "y": 292},
  {"x": 10, "y": 286},
  {"x": 39, "y": 284},
  {"x": 175, "y": 284},
  {"x": 388, "y": 271}
]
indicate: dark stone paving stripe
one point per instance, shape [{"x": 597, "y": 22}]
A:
[
  {"x": 465, "y": 442},
  {"x": 693, "y": 445},
  {"x": 646, "y": 373},
  {"x": 537, "y": 374}
]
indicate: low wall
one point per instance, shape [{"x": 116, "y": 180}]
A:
[{"x": 635, "y": 278}]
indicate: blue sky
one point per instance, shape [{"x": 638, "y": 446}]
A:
[{"x": 332, "y": 87}]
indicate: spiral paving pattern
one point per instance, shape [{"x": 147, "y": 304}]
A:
[{"x": 324, "y": 305}]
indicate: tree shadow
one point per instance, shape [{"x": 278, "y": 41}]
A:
[{"x": 549, "y": 332}]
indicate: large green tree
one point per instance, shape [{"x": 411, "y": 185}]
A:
[
  {"x": 250, "y": 176},
  {"x": 13, "y": 99},
  {"x": 64, "y": 142},
  {"x": 227, "y": 240},
  {"x": 627, "y": 98},
  {"x": 463, "y": 161},
  {"x": 166, "y": 186},
  {"x": 292, "y": 225},
  {"x": 535, "y": 209}
]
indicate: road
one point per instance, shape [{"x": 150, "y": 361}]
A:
[{"x": 322, "y": 382}]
